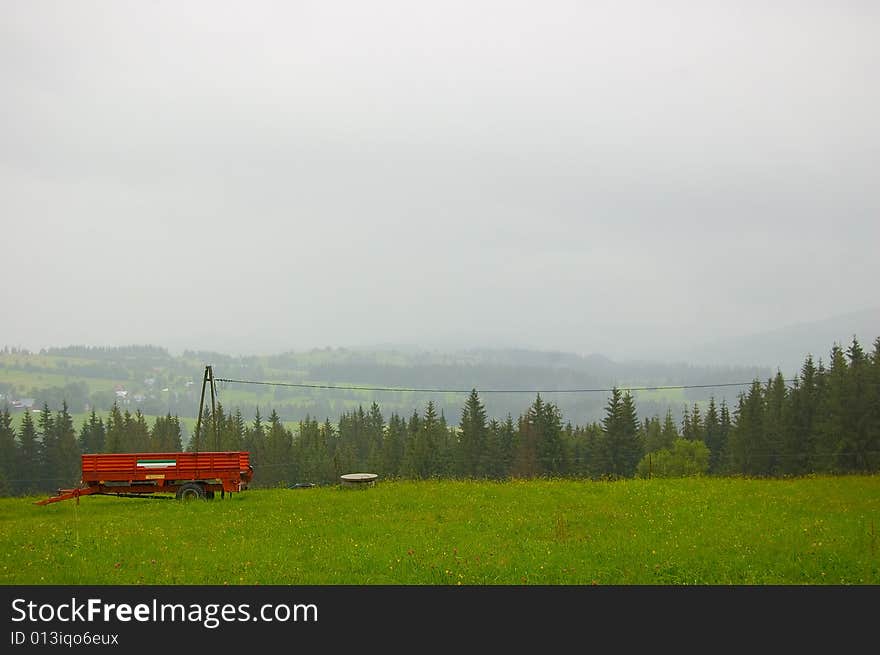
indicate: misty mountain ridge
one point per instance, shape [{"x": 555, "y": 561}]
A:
[
  {"x": 725, "y": 361},
  {"x": 752, "y": 355},
  {"x": 786, "y": 347},
  {"x": 152, "y": 379},
  {"x": 783, "y": 348}
]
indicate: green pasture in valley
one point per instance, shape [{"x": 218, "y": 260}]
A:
[{"x": 823, "y": 530}]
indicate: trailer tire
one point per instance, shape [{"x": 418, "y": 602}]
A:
[{"x": 191, "y": 491}]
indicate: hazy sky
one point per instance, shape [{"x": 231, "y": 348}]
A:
[{"x": 587, "y": 176}]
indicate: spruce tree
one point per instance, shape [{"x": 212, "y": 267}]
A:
[
  {"x": 724, "y": 428},
  {"x": 255, "y": 441},
  {"x": 605, "y": 457},
  {"x": 375, "y": 429},
  {"x": 669, "y": 433},
  {"x": 392, "y": 447},
  {"x": 137, "y": 431},
  {"x": 697, "y": 428},
  {"x": 550, "y": 451},
  {"x": 304, "y": 441},
  {"x": 235, "y": 433},
  {"x": 631, "y": 449},
  {"x": 508, "y": 445},
  {"x": 712, "y": 435},
  {"x": 175, "y": 443},
  {"x": 859, "y": 451},
  {"x": 775, "y": 422},
  {"x": 309, "y": 453},
  {"x": 29, "y": 469},
  {"x": 409, "y": 466},
  {"x": 473, "y": 437},
  {"x": 345, "y": 453},
  {"x": 202, "y": 436},
  {"x": 92, "y": 434},
  {"x": 577, "y": 451},
  {"x": 165, "y": 435},
  {"x": 353, "y": 431},
  {"x": 8, "y": 450},
  {"x": 620, "y": 449},
  {"x": 525, "y": 463},
  {"x": 279, "y": 444},
  {"x": 429, "y": 443},
  {"x": 115, "y": 439},
  {"x": 687, "y": 431},
  {"x": 444, "y": 465},
  {"x": 68, "y": 459},
  {"x": 832, "y": 410},
  {"x": 492, "y": 463},
  {"x": 217, "y": 431},
  {"x": 874, "y": 413},
  {"x": 654, "y": 435},
  {"x": 798, "y": 452},
  {"x": 747, "y": 443},
  {"x": 48, "y": 447},
  {"x": 325, "y": 451},
  {"x": 594, "y": 442},
  {"x": 570, "y": 461}
]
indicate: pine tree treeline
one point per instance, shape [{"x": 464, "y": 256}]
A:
[
  {"x": 825, "y": 421},
  {"x": 44, "y": 454}
]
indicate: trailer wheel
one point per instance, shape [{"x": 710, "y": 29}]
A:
[{"x": 191, "y": 491}]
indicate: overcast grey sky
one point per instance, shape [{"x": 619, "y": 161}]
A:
[{"x": 587, "y": 176}]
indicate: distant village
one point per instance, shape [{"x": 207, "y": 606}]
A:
[{"x": 123, "y": 397}]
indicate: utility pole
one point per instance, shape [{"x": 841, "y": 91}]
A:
[{"x": 208, "y": 378}]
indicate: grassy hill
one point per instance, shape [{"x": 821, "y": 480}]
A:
[{"x": 823, "y": 530}]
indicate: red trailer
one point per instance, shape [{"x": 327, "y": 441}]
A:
[{"x": 187, "y": 475}]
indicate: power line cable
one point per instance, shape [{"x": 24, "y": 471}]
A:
[{"x": 347, "y": 387}]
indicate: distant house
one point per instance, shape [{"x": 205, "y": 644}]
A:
[
  {"x": 150, "y": 382},
  {"x": 23, "y": 403},
  {"x": 121, "y": 393},
  {"x": 139, "y": 397}
]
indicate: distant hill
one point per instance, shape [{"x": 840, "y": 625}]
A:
[
  {"x": 785, "y": 348},
  {"x": 155, "y": 381}
]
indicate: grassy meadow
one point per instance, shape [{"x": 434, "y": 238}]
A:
[{"x": 823, "y": 530}]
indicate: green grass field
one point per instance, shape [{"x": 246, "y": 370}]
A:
[{"x": 823, "y": 530}]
